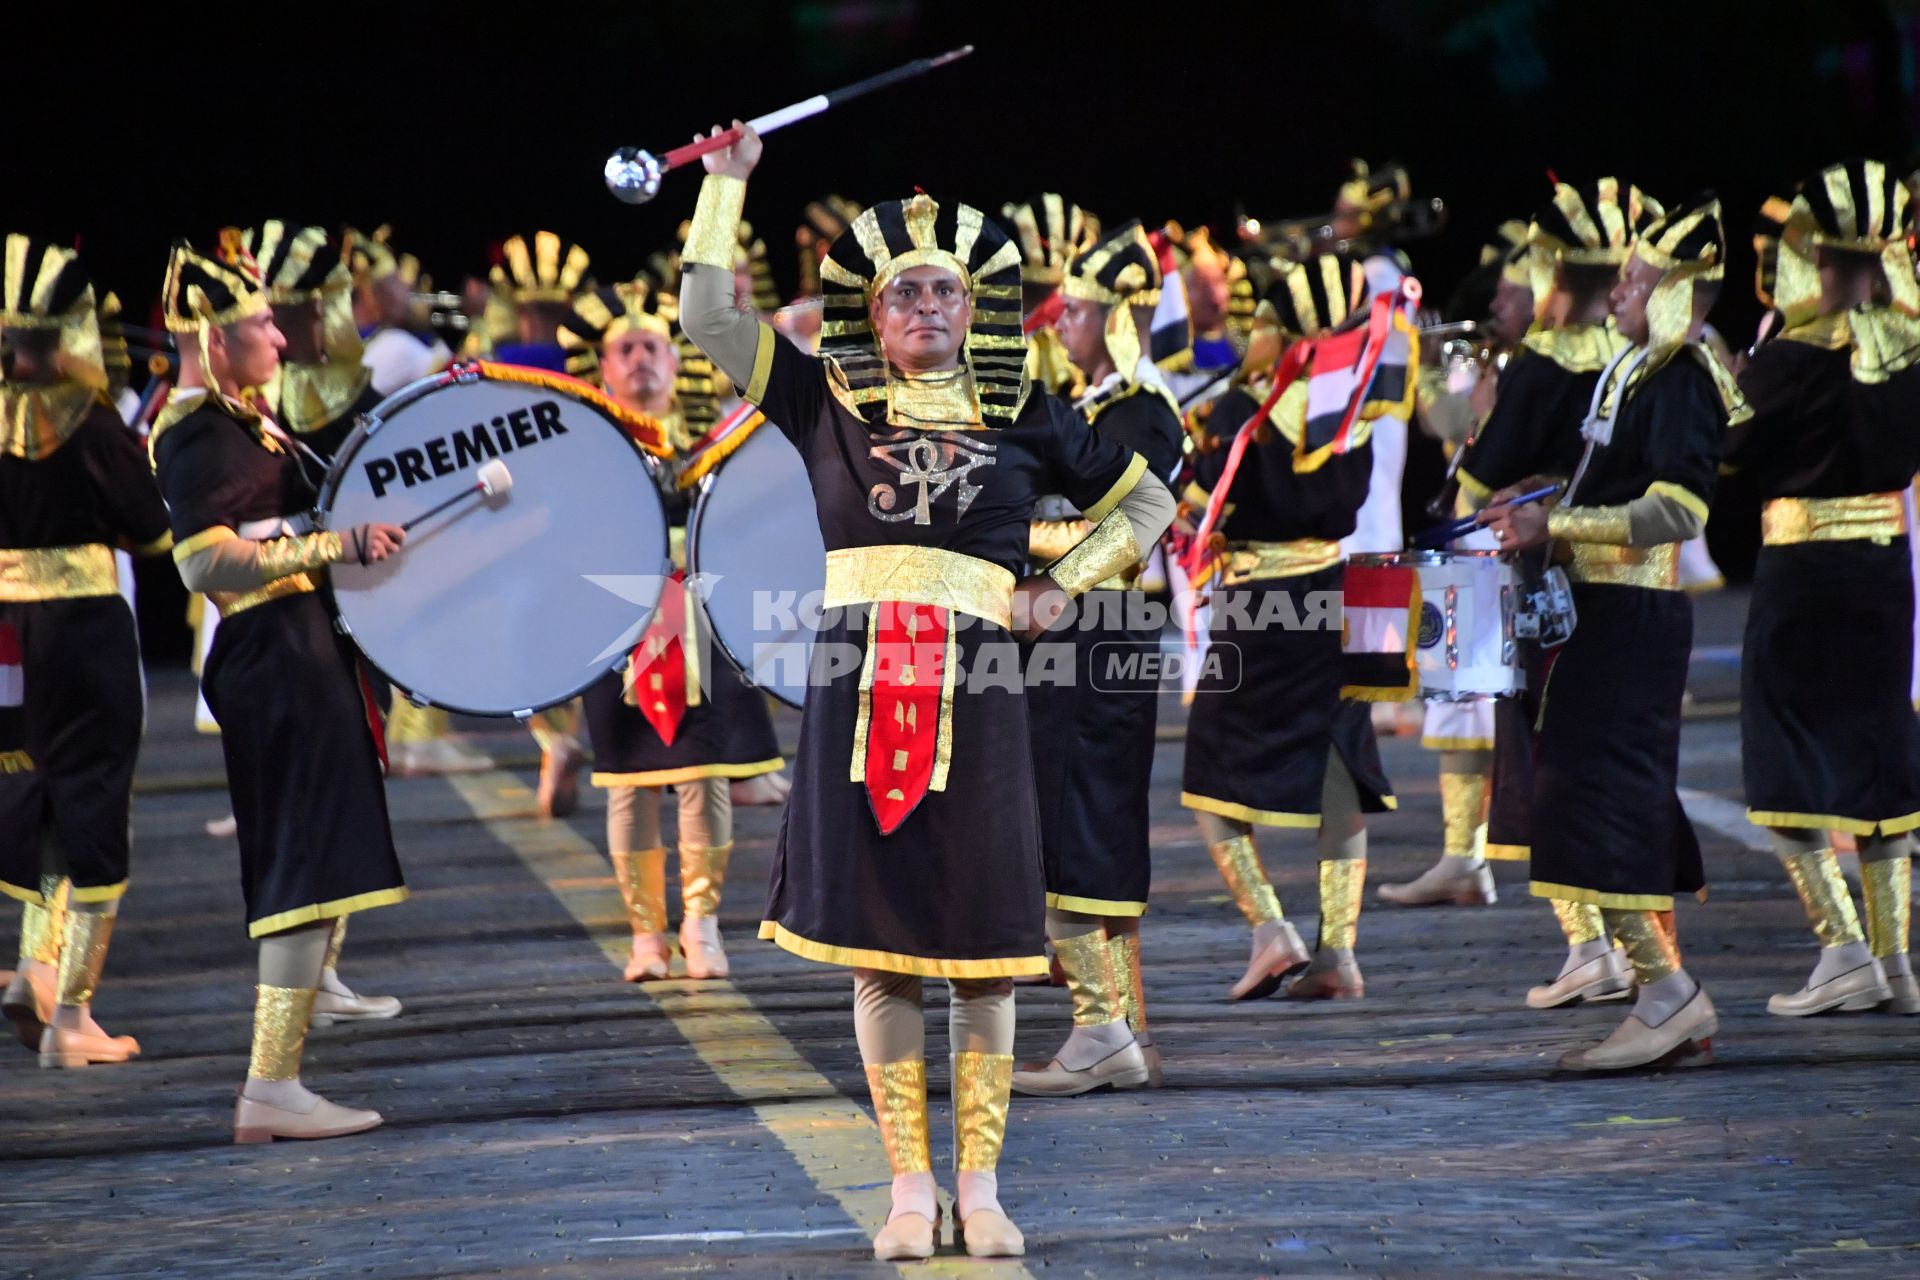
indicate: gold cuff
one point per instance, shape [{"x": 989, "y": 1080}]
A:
[
  {"x": 703, "y": 874},
  {"x": 900, "y": 1105},
  {"x": 1101, "y": 554},
  {"x": 1088, "y": 964},
  {"x": 284, "y": 557},
  {"x": 713, "y": 235},
  {"x": 1823, "y": 892},
  {"x": 1463, "y": 814},
  {"x": 1591, "y": 524},
  {"x": 1650, "y": 948},
  {"x": 280, "y": 1017},
  {"x": 1048, "y": 540},
  {"x": 1125, "y": 951},
  {"x": 1887, "y": 888},
  {"x": 84, "y": 955},
  {"x": 1579, "y": 921},
  {"x": 1342, "y": 883},
  {"x": 642, "y": 877},
  {"x": 1239, "y": 864},
  {"x": 982, "y": 1086}
]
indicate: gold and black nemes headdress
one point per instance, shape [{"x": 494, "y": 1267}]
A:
[
  {"x": 1120, "y": 271},
  {"x": 1050, "y": 230},
  {"x": 545, "y": 270},
  {"x": 893, "y": 237},
  {"x": 45, "y": 290},
  {"x": 1315, "y": 296}
]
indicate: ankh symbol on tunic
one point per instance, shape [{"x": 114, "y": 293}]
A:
[{"x": 936, "y": 461}]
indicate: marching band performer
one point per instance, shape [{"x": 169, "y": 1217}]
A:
[
  {"x": 397, "y": 351},
  {"x": 677, "y": 714},
  {"x": 1091, "y": 720},
  {"x": 1050, "y": 230},
  {"x": 1828, "y": 736},
  {"x": 297, "y": 726},
  {"x": 911, "y": 844},
  {"x": 1283, "y": 749},
  {"x": 72, "y": 488},
  {"x": 1608, "y": 828},
  {"x": 1578, "y": 243}
]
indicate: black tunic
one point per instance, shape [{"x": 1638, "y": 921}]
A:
[
  {"x": 1608, "y": 827},
  {"x": 302, "y": 765},
  {"x": 1828, "y": 735},
  {"x": 69, "y": 747},
  {"x": 1092, "y": 714},
  {"x": 956, "y": 891},
  {"x": 1267, "y": 708}
]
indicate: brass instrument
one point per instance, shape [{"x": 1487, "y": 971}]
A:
[{"x": 1296, "y": 239}]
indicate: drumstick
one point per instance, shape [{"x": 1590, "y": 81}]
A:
[
  {"x": 634, "y": 175},
  {"x": 1459, "y": 528},
  {"x": 493, "y": 479}
]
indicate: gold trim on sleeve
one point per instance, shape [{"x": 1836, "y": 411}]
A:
[
  {"x": 1608, "y": 525},
  {"x": 58, "y": 573},
  {"x": 1106, "y": 551},
  {"x": 1121, "y": 488},
  {"x": 756, "y": 389},
  {"x": 1681, "y": 494},
  {"x": 713, "y": 235},
  {"x": 211, "y": 536}
]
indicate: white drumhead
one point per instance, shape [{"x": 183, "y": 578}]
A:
[
  {"x": 755, "y": 543},
  {"x": 506, "y": 603}
]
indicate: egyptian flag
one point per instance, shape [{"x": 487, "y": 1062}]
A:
[
  {"x": 1170, "y": 345},
  {"x": 1359, "y": 375},
  {"x": 13, "y": 682},
  {"x": 1380, "y": 629}
]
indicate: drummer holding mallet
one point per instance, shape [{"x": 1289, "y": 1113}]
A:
[{"x": 303, "y": 758}]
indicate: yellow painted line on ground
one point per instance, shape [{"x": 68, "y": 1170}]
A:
[{"x": 831, "y": 1138}]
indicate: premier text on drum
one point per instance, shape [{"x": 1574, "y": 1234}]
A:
[{"x": 458, "y": 450}]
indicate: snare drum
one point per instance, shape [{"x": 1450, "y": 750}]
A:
[
  {"x": 754, "y": 545},
  {"x": 1465, "y": 644},
  {"x": 507, "y": 604}
]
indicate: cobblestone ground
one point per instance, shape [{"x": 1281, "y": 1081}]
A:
[{"x": 545, "y": 1119}]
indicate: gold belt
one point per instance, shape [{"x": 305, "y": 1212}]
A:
[
  {"x": 293, "y": 584},
  {"x": 1247, "y": 561},
  {"x": 1878, "y": 518},
  {"x": 920, "y": 575},
  {"x": 1656, "y": 567},
  {"x": 58, "y": 573}
]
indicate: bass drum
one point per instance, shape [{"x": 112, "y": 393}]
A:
[
  {"x": 503, "y": 604},
  {"x": 754, "y": 547}
]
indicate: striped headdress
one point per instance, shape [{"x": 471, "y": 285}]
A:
[
  {"x": 1593, "y": 223},
  {"x": 1050, "y": 230},
  {"x": 548, "y": 270},
  {"x": 45, "y": 288},
  {"x": 899, "y": 234},
  {"x": 1309, "y": 298},
  {"x": 1120, "y": 271},
  {"x": 202, "y": 291},
  {"x": 292, "y": 261},
  {"x": 371, "y": 257},
  {"x": 602, "y": 314},
  {"x": 1858, "y": 205}
]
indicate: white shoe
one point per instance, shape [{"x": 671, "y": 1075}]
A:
[
  {"x": 336, "y": 1002},
  {"x": 436, "y": 756},
  {"x": 29, "y": 1001},
  {"x": 649, "y": 959},
  {"x": 224, "y": 828},
  {"x": 263, "y": 1122},
  {"x": 1603, "y": 978},
  {"x": 700, "y": 944}
]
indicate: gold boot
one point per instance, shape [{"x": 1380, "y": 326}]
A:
[
  {"x": 703, "y": 875},
  {"x": 280, "y": 1019},
  {"x": 1277, "y": 948},
  {"x": 1829, "y": 905},
  {"x": 1886, "y": 886},
  {"x": 82, "y": 959},
  {"x": 1334, "y": 974},
  {"x": 1126, "y": 968},
  {"x": 900, "y": 1106},
  {"x": 982, "y": 1088},
  {"x": 1462, "y": 876},
  {"x": 1101, "y": 1053},
  {"x": 642, "y": 877}
]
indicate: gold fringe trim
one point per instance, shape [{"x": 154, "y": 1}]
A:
[
  {"x": 700, "y": 464},
  {"x": 646, "y": 431},
  {"x": 895, "y": 962}
]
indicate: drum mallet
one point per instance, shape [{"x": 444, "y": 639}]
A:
[
  {"x": 493, "y": 480},
  {"x": 1446, "y": 533},
  {"x": 634, "y": 175}
]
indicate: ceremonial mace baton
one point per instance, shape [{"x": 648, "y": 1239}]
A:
[{"x": 634, "y": 175}]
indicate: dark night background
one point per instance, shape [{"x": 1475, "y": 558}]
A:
[{"x": 463, "y": 124}]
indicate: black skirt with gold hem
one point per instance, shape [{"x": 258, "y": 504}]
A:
[
  {"x": 729, "y": 734},
  {"x": 1829, "y": 740},
  {"x": 78, "y": 737},
  {"x": 956, "y": 891},
  {"x": 308, "y": 799},
  {"x": 1267, "y": 713},
  {"x": 1091, "y": 707},
  {"x": 1608, "y": 827}
]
